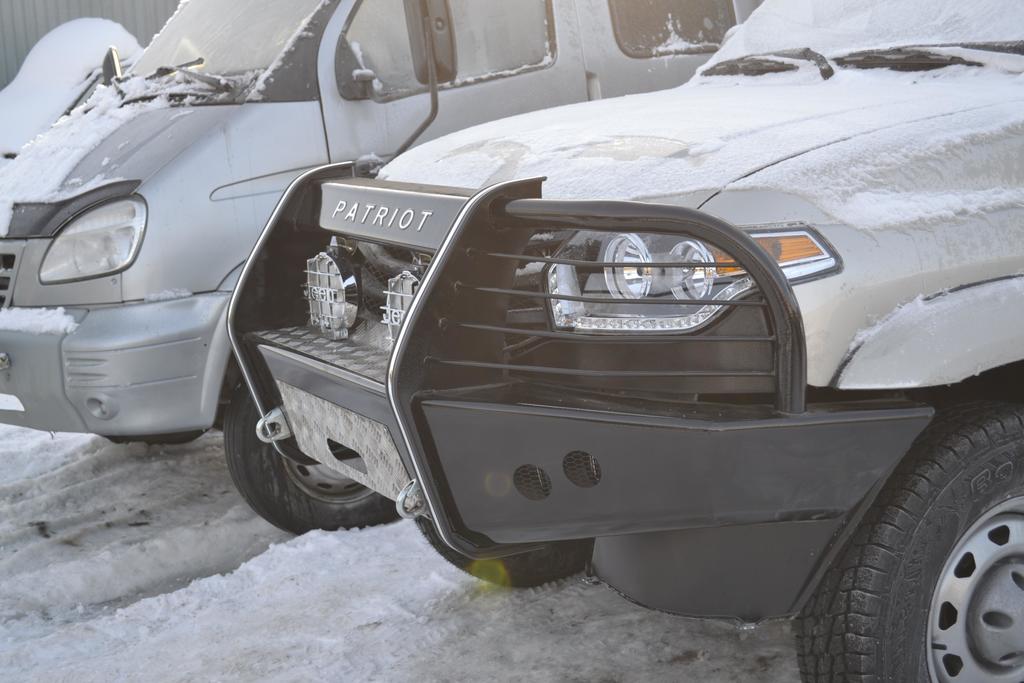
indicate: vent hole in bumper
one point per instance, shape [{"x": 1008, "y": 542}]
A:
[
  {"x": 582, "y": 469},
  {"x": 346, "y": 455},
  {"x": 532, "y": 482}
]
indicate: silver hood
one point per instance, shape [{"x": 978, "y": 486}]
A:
[
  {"x": 99, "y": 146},
  {"x": 144, "y": 145},
  {"x": 915, "y": 178},
  {"x": 698, "y": 139}
]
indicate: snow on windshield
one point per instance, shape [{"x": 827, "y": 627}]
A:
[
  {"x": 839, "y": 27},
  {"x": 268, "y": 75},
  {"x": 232, "y": 36},
  {"x": 54, "y": 75}
]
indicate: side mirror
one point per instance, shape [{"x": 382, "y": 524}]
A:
[
  {"x": 355, "y": 82},
  {"x": 112, "y": 66},
  {"x": 431, "y": 39}
]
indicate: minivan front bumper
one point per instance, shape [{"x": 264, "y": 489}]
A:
[{"x": 127, "y": 371}]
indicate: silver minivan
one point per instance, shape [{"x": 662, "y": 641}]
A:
[{"x": 144, "y": 234}]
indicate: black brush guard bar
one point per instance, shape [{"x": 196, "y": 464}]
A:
[
  {"x": 790, "y": 352},
  {"x": 489, "y": 228},
  {"x": 518, "y": 206}
]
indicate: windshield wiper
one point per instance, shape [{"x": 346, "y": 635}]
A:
[
  {"x": 186, "y": 70},
  {"x": 923, "y": 57},
  {"x": 1013, "y": 47},
  {"x": 770, "y": 63},
  {"x": 902, "y": 59}
]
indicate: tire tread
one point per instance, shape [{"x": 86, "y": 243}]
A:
[{"x": 835, "y": 634}]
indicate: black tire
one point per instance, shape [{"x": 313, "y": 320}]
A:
[
  {"x": 869, "y": 618},
  {"x": 536, "y": 568},
  {"x": 270, "y": 488}
]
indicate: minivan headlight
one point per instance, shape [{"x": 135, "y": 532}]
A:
[
  {"x": 652, "y": 282},
  {"x": 101, "y": 241}
]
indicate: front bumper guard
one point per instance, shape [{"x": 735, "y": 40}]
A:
[{"x": 708, "y": 465}]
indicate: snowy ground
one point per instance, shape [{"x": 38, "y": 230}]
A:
[{"x": 104, "y": 550}]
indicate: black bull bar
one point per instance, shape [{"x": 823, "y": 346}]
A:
[{"x": 489, "y": 439}]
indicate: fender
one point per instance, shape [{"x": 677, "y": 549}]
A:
[{"x": 940, "y": 339}]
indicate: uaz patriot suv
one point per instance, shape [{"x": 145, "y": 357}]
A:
[{"x": 752, "y": 349}]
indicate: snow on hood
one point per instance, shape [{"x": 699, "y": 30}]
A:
[
  {"x": 54, "y": 75},
  {"x": 938, "y": 171},
  {"x": 40, "y": 173},
  {"x": 98, "y": 142},
  {"x": 706, "y": 135},
  {"x": 838, "y": 27}
]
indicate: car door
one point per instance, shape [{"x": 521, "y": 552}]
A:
[
  {"x": 645, "y": 45},
  {"x": 513, "y": 57}
]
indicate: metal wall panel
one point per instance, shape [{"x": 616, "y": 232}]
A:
[{"x": 23, "y": 22}]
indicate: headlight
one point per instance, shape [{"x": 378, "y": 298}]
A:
[
  {"x": 665, "y": 283},
  {"x": 101, "y": 241}
]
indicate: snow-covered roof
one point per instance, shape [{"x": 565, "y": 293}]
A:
[
  {"x": 54, "y": 75},
  {"x": 838, "y": 27}
]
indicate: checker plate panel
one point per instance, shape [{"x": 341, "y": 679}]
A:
[
  {"x": 313, "y": 421},
  {"x": 363, "y": 353}
]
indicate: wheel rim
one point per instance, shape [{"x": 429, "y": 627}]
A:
[
  {"x": 976, "y": 622},
  {"x": 324, "y": 484}
]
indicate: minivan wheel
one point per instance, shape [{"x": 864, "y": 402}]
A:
[
  {"x": 931, "y": 585},
  {"x": 550, "y": 563},
  {"x": 296, "y": 498}
]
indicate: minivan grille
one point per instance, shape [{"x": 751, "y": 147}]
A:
[{"x": 7, "y": 264}]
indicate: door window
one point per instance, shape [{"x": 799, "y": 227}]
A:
[
  {"x": 493, "y": 39},
  {"x": 654, "y": 28}
]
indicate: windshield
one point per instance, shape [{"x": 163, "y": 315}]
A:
[
  {"x": 841, "y": 27},
  {"x": 231, "y": 36}
]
